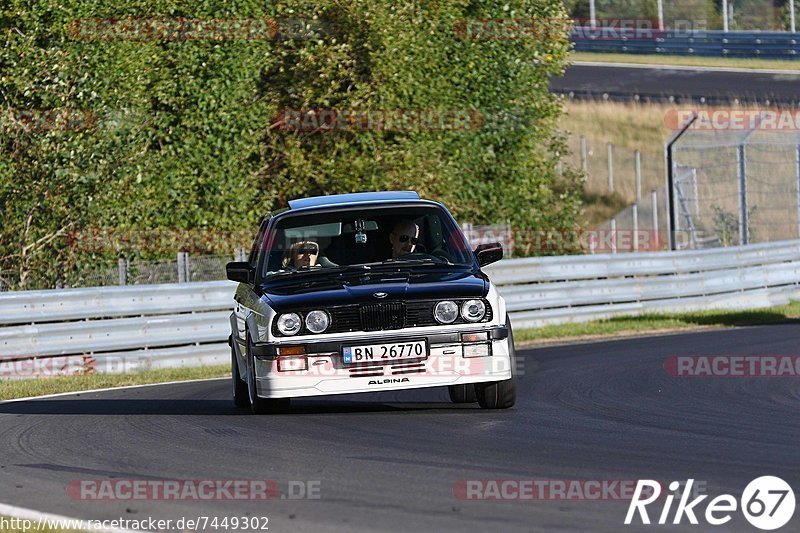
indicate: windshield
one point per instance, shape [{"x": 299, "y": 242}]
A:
[{"x": 365, "y": 239}]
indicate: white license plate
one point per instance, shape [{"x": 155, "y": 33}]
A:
[{"x": 384, "y": 353}]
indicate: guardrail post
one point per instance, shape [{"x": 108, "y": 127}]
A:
[
  {"x": 741, "y": 170},
  {"x": 584, "y": 157},
  {"x": 638, "y": 159},
  {"x": 610, "y": 149}
]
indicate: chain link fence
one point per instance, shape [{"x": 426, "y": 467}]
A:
[{"x": 735, "y": 187}]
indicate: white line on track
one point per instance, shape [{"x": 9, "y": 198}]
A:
[
  {"x": 38, "y": 517},
  {"x": 687, "y": 67},
  {"x": 106, "y": 389}
]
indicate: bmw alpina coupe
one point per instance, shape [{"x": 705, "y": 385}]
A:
[{"x": 367, "y": 292}]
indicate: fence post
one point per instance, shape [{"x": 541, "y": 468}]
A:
[
  {"x": 638, "y": 155},
  {"x": 610, "y": 149},
  {"x": 560, "y": 168},
  {"x": 741, "y": 170},
  {"x": 654, "y": 203},
  {"x": 792, "y": 26},
  {"x": 635, "y": 214},
  {"x": 183, "y": 267},
  {"x": 584, "y": 157},
  {"x": 797, "y": 166},
  {"x": 724, "y": 15},
  {"x": 122, "y": 267},
  {"x": 614, "y": 235}
]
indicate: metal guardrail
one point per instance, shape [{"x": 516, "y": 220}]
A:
[
  {"x": 712, "y": 43},
  {"x": 113, "y": 329}
]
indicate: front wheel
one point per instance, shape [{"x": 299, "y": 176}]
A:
[
  {"x": 498, "y": 394},
  {"x": 501, "y": 394},
  {"x": 259, "y": 405},
  {"x": 240, "y": 394},
  {"x": 462, "y": 393}
]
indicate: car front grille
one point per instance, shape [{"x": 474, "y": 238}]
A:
[{"x": 388, "y": 315}]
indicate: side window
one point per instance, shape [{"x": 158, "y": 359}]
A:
[{"x": 253, "y": 257}]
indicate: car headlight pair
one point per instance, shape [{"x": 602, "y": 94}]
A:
[
  {"x": 316, "y": 321},
  {"x": 446, "y": 312}
]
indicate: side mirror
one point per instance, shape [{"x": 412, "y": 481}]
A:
[
  {"x": 239, "y": 271},
  {"x": 489, "y": 253}
]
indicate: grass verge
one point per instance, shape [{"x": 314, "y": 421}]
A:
[
  {"x": 37, "y": 387},
  {"x": 655, "y": 323},
  {"x": 689, "y": 61}
]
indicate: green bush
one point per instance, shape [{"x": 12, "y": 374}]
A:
[{"x": 182, "y": 133}]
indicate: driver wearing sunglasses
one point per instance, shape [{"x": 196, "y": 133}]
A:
[
  {"x": 404, "y": 238},
  {"x": 302, "y": 254}
]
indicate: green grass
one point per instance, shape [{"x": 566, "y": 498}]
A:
[
  {"x": 36, "y": 387},
  {"x": 689, "y": 61},
  {"x": 632, "y": 325}
]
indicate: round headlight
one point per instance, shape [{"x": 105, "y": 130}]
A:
[
  {"x": 446, "y": 312},
  {"x": 473, "y": 310},
  {"x": 289, "y": 324},
  {"x": 317, "y": 321}
]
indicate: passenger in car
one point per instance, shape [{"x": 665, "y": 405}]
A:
[
  {"x": 301, "y": 254},
  {"x": 404, "y": 238}
]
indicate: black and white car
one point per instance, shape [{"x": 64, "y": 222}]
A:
[{"x": 367, "y": 292}]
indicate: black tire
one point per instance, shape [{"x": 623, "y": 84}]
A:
[
  {"x": 500, "y": 394},
  {"x": 497, "y": 394},
  {"x": 239, "y": 386},
  {"x": 258, "y": 405},
  {"x": 462, "y": 393}
]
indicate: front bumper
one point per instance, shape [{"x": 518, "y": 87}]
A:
[{"x": 449, "y": 361}]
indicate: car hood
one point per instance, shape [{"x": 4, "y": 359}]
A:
[{"x": 286, "y": 295}]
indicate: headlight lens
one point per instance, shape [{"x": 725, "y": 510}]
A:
[
  {"x": 473, "y": 310},
  {"x": 289, "y": 324},
  {"x": 317, "y": 321},
  {"x": 446, "y": 312}
]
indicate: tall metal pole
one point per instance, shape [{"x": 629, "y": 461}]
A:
[
  {"x": 592, "y": 15},
  {"x": 660, "y": 15},
  {"x": 725, "y": 15},
  {"x": 741, "y": 167},
  {"x": 791, "y": 16},
  {"x": 672, "y": 218}
]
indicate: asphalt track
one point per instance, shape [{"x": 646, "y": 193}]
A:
[
  {"x": 683, "y": 84},
  {"x": 389, "y": 461}
]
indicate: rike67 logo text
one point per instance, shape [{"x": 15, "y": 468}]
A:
[{"x": 767, "y": 503}]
